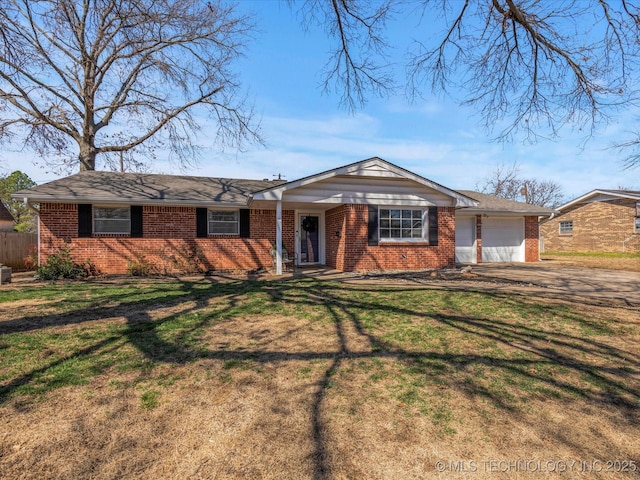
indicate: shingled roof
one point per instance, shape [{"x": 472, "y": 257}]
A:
[
  {"x": 143, "y": 188},
  {"x": 602, "y": 194},
  {"x": 4, "y": 213},
  {"x": 492, "y": 204}
]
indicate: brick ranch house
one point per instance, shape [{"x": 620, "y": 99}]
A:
[
  {"x": 599, "y": 221},
  {"x": 369, "y": 215}
]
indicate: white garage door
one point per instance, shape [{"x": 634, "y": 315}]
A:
[
  {"x": 466, "y": 240},
  {"x": 503, "y": 239}
]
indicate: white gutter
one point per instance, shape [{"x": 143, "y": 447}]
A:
[
  {"x": 25, "y": 201},
  {"x": 134, "y": 201}
]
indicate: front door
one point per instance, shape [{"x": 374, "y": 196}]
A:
[{"x": 309, "y": 246}]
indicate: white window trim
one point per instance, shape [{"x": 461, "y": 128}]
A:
[
  {"x": 560, "y": 232},
  {"x": 93, "y": 219},
  {"x": 226, "y": 210},
  {"x": 425, "y": 229},
  {"x": 636, "y": 225}
]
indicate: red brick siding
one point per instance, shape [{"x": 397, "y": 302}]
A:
[
  {"x": 288, "y": 231},
  {"x": 531, "y": 239},
  {"x": 335, "y": 221},
  {"x": 58, "y": 221},
  {"x": 396, "y": 255},
  {"x": 597, "y": 227},
  {"x": 169, "y": 241},
  {"x": 168, "y": 222}
]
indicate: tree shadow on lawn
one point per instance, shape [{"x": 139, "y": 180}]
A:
[{"x": 521, "y": 354}]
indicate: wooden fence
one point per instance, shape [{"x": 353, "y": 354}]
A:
[{"x": 14, "y": 247}]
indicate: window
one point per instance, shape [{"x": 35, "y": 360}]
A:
[
  {"x": 566, "y": 228},
  {"x": 401, "y": 224},
  {"x": 223, "y": 221},
  {"x": 111, "y": 219},
  {"x": 637, "y": 229}
]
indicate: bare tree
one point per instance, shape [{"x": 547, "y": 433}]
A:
[
  {"x": 506, "y": 182},
  {"x": 545, "y": 193},
  {"x": 118, "y": 77},
  {"x": 353, "y": 68},
  {"x": 503, "y": 182},
  {"x": 528, "y": 66},
  {"x": 630, "y": 149}
]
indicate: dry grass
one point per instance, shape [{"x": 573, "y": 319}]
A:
[
  {"x": 629, "y": 263},
  {"x": 309, "y": 379}
]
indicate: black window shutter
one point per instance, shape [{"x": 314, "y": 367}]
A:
[
  {"x": 433, "y": 225},
  {"x": 245, "y": 226},
  {"x": 136, "y": 221},
  {"x": 373, "y": 225},
  {"x": 85, "y": 220},
  {"x": 202, "y": 229}
]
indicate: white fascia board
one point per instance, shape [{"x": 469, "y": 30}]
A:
[
  {"x": 125, "y": 201},
  {"x": 484, "y": 211},
  {"x": 594, "y": 193},
  {"x": 464, "y": 202}
]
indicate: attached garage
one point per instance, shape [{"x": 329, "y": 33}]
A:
[
  {"x": 466, "y": 250},
  {"x": 498, "y": 230},
  {"x": 503, "y": 239}
]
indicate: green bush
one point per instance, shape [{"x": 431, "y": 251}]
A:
[{"x": 61, "y": 265}]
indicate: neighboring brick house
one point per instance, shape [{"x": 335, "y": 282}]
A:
[
  {"x": 599, "y": 221},
  {"x": 6, "y": 219},
  {"x": 369, "y": 215}
]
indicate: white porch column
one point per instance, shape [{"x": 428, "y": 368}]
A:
[{"x": 279, "y": 237}]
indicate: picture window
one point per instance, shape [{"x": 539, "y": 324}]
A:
[
  {"x": 401, "y": 224},
  {"x": 111, "y": 219},
  {"x": 224, "y": 222}
]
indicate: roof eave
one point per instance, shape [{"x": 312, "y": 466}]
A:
[
  {"x": 596, "y": 192},
  {"x": 527, "y": 213},
  {"x": 125, "y": 201},
  {"x": 275, "y": 193}
]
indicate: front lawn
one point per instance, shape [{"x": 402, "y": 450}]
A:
[
  {"x": 605, "y": 260},
  {"x": 302, "y": 378}
]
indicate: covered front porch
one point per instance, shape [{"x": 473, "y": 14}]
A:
[
  {"x": 301, "y": 238},
  {"x": 370, "y": 215}
]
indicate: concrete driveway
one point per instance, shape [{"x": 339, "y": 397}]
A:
[{"x": 592, "y": 284}]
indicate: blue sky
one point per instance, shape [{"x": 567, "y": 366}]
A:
[{"x": 307, "y": 132}]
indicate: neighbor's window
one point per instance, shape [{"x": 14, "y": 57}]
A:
[
  {"x": 111, "y": 219},
  {"x": 401, "y": 223},
  {"x": 223, "y": 221},
  {"x": 566, "y": 228},
  {"x": 637, "y": 230}
]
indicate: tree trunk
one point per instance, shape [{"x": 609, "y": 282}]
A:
[{"x": 87, "y": 158}]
